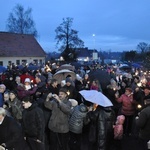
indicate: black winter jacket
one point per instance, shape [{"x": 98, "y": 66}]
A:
[
  {"x": 143, "y": 122},
  {"x": 11, "y": 134},
  {"x": 33, "y": 122},
  {"x": 104, "y": 118}
]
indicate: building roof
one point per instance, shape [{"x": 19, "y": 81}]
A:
[
  {"x": 19, "y": 45},
  {"x": 85, "y": 52}
]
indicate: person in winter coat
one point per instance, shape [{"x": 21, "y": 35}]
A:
[
  {"x": 76, "y": 123},
  {"x": 110, "y": 92},
  {"x": 2, "y": 90},
  {"x": 54, "y": 86},
  {"x": 118, "y": 127},
  {"x": 41, "y": 85},
  {"x": 104, "y": 118},
  {"x": 95, "y": 85},
  {"x": 86, "y": 82},
  {"x": 22, "y": 92},
  {"x": 59, "y": 120},
  {"x": 143, "y": 123},
  {"x": 28, "y": 84},
  {"x": 118, "y": 132},
  {"x": 26, "y": 74},
  {"x": 11, "y": 136},
  {"x": 15, "y": 106},
  {"x": 33, "y": 124},
  {"x": 128, "y": 109},
  {"x": 72, "y": 92}
]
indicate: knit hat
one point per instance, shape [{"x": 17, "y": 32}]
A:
[
  {"x": 41, "y": 77},
  {"x": 63, "y": 90},
  {"x": 28, "y": 99},
  {"x": 14, "y": 92},
  {"x": 68, "y": 80}
]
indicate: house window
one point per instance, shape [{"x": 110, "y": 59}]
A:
[
  {"x": 17, "y": 62},
  {"x": 1, "y": 63},
  {"x": 35, "y": 61},
  {"x": 9, "y": 63},
  {"x": 40, "y": 61},
  {"x": 24, "y": 62}
]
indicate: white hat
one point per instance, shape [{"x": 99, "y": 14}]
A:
[
  {"x": 27, "y": 80},
  {"x": 63, "y": 82},
  {"x": 78, "y": 77},
  {"x": 73, "y": 102}
]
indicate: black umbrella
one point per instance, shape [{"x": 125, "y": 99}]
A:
[
  {"x": 76, "y": 64},
  {"x": 102, "y": 76}
]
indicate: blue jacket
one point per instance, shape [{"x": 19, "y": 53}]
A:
[{"x": 1, "y": 100}]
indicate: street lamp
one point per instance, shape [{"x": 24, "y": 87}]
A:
[{"x": 94, "y": 40}]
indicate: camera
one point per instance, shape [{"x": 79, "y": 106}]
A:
[{"x": 53, "y": 95}]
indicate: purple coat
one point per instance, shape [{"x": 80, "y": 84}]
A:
[{"x": 23, "y": 93}]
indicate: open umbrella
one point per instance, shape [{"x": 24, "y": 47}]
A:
[
  {"x": 102, "y": 76},
  {"x": 33, "y": 67},
  {"x": 125, "y": 67},
  {"x": 62, "y": 74},
  {"x": 96, "y": 97},
  {"x": 2, "y": 69},
  {"x": 136, "y": 65},
  {"x": 66, "y": 66},
  {"x": 2, "y": 148}
]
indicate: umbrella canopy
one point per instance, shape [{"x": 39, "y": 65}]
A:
[
  {"x": 2, "y": 69},
  {"x": 136, "y": 65},
  {"x": 77, "y": 65},
  {"x": 124, "y": 67},
  {"x": 96, "y": 97},
  {"x": 127, "y": 75},
  {"x": 33, "y": 67},
  {"x": 62, "y": 74},
  {"x": 2, "y": 148},
  {"x": 66, "y": 66},
  {"x": 102, "y": 76},
  {"x": 20, "y": 67}
]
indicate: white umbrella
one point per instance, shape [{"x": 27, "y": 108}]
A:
[
  {"x": 96, "y": 97},
  {"x": 2, "y": 148},
  {"x": 62, "y": 74}
]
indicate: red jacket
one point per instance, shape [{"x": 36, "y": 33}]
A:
[{"x": 128, "y": 104}]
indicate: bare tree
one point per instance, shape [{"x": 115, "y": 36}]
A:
[
  {"x": 143, "y": 47},
  {"x": 67, "y": 38},
  {"x": 21, "y": 21}
]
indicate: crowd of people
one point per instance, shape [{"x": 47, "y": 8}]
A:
[{"x": 39, "y": 113}]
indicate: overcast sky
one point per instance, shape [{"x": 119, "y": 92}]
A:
[{"x": 118, "y": 25}]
